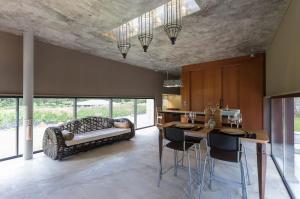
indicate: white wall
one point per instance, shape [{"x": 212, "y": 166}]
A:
[{"x": 283, "y": 56}]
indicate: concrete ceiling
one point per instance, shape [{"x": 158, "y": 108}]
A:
[{"x": 221, "y": 29}]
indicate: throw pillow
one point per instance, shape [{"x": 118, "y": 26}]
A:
[
  {"x": 121, "y": 124},
  {"x": 67, "y": 135}
]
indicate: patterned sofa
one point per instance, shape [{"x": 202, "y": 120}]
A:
[{"x": 89, "y": 132}]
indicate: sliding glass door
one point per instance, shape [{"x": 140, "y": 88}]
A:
[
  {"x": 145, "y": 113},
  {"x": 93, "y": 107},
  {"x": 49, "y": 112},
  {"x": 8, "y": 131},
  {"x": 123, "y": 108},
  {"x": 285, "y": 124}
]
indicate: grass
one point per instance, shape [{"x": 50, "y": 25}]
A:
[
  {"x": 52, "y": 114},
  {"x": 297, "y": 123}
]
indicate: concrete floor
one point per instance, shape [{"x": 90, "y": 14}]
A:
[{"x": 128, "y": 169}]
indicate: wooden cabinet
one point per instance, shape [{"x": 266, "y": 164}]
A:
[
  {"x": 212, "y": 86},
  {"x": 231, "y": 86},
  {"x": 237, "y": 82},
  {"x": 197, "y": 88},
  {"x": 205, "y": 88}
]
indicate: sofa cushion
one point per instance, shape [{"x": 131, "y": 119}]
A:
[{"x": 96, "y": 135}]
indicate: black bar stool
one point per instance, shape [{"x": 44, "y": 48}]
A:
[
  {"x": 177, "y": 142},
  {"x": 226, "y": 148}
]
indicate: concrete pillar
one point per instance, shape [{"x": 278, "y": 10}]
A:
[{"x": 28, "y": 75}]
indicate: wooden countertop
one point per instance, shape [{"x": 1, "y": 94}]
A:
[{"x": 261, "y": 135}]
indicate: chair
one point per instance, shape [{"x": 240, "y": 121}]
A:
[
  {"x": 237, "y": 121},
  {"x": 197, "y": 143},
  {"x": 177, "y": 142},
  {"x": 226, "y": 148}
]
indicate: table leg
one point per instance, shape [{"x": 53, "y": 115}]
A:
[
  {"x": 261, "y": 168},
  {"x": 160, "y": 146}
]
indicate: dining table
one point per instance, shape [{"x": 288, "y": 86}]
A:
[{"x": 261, "y": 139}]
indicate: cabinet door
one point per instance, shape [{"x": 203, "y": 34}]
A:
[
  {"x": 185, "y": 91},
  {"x": 212, "y": 86},
  {"x": 197, "y": 90},
  {"x": 251, "y": 94},
  {"x": 230, "y": 86},
  {"x": 205, "y": 88}
]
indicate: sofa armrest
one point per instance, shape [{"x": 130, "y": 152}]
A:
[
  {"x": 53, "y": 143},
  {"x": 131, "y": 125}
]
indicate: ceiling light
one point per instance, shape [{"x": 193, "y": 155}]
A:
[
  {"x": 146, "y": 29},
  {"x": 123, "y": 39},
  {"x": 172, "y": 19},
  {"x": 174, "y": 83},
  {"x": 188, "y": 7}
]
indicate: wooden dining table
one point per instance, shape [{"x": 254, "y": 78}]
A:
[{"x": 260, "y": 140}]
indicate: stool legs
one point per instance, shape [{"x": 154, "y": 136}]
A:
[
  {"x": 190, "y": 172},
  {"x": 175, "y": 162},
  {"x": 245, "y": 156},
  {"x": 244, "y": 188}
]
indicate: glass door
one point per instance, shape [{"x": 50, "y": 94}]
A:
[{"x": 285, "y": 123}]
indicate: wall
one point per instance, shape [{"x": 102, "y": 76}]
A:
[
  {"x": 10, "y": 64},
  {"x": 283, "y": 56},
  {"x": 64, "y": 72}
]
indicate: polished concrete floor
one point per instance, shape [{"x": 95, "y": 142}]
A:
[{"x": 125, "y": 170}]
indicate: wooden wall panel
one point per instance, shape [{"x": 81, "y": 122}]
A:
[
  {"x": 197, "y": 90},
  {"x": 230, "y": 86},
  {"x": 251, "y": 94},
  {"x": 185, "y": 91},
  {"x": 212, "y": 87},
  {"x": 239, "y": 82}
]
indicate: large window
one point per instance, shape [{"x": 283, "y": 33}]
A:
[
  {"x": 123, "y": 108},
  {"x": 145, "y": 112},
  {"x": 8, "y": 122},
  {"x": 49, "y": 112},
  {"x": 54, "y": 111},
  {"x": 285, "y": 121},
  {"x": 93, "y": 107}
]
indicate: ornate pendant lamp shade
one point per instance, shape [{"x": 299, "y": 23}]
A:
[
  {"x": 146, "y": 29},
  {"x": 123, "y": 39},
  {"x": 172, "y": 19}
]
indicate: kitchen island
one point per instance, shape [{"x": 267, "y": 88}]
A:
[{"x": 174, "y": 115}]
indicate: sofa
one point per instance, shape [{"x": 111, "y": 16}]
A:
[{"x": 86, "y": 133}]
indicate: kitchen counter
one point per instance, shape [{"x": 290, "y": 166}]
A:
[{"x": 230, "y": 112}]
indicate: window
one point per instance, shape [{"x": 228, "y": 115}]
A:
[
  {"x": 54, "y": 111},
  {"x": 93, "y": 107},
  {"x": 49, "y": 112},
  {"x": 123, "y": 108},
  {"x": 8, "y": 133},
  {"x": 285, "y": 121},
  {"x": 145, "y": 112}
]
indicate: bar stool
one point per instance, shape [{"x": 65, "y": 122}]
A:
[
  {"x": 177, "y": 142},
  {"x": 226, "y": 148}
]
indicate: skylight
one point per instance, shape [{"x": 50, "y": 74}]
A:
[{"x": 188, "y": 7}]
